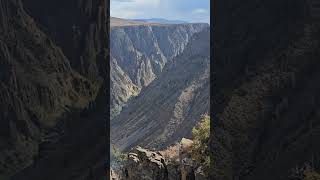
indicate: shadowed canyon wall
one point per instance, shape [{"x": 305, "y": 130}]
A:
[
  {"x": 266, "y": 74},
  {"x": 53, "y": 72}
]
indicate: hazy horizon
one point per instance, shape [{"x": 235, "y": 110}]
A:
[
  {"x": 191, "y": 11},
  {"x": 158, "y": 20}
]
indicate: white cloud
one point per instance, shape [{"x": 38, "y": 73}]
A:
[
  {"x": 132, "y": 8},
  {"x": 199, "y": 11},
  {"x": 122, "y": 1},
  {"x": 136, "y": 2}
]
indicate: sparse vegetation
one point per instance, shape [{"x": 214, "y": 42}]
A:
[
  {"x": 200, "y": 152},
  {"x": 171, "y": 153},
  {"x": 178, "y": 156},
  {"x": 118, "y": 158}
]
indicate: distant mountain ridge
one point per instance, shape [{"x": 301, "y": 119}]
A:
[
  {"x": 120, "y": 22},
  {"x": 161, "y": 21}
]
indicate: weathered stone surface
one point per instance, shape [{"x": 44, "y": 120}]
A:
[
  {"x": 171, "y": 105},
  {"x": 145, "y": 165},
  {"x": 155, "y": 165},
  {"x": 139, "y": 52}
]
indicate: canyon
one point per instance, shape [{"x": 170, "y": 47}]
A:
[
  {"x": 169, "y": 107},
  {"x": 55, "y": 78},
  {"x": 139, "y": 51}
]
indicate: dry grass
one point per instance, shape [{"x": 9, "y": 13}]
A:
[
  {"x": 177, "y": 151},
  {"x": 171, "y": 153}
]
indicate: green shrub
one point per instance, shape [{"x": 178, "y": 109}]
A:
[
  {"x": 117, "y": 157},
  {"x": 200, "y": 151}
]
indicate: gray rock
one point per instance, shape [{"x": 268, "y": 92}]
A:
[
  {"x": 168, "y": 108},
  {"x": 145, "y": 165},
  {"x": 139, "y": 52}
]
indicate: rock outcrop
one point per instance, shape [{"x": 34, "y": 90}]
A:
[
  {"x": 139, "y": 52},
  {"x": 145, "y": 164},
  {"x": 160, "y": 165},
  {"x": 170, "y": 106}
]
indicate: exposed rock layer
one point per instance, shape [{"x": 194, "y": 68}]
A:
[
  {"x": 139, "y": 53},
  {"x": 170, "y": 106}
]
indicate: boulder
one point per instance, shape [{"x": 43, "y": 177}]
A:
[{"x": 145, "y": 164}]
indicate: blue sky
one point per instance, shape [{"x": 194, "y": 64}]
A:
[{"x": 186, "y": 10}]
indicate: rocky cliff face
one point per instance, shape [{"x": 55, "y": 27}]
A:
[
  {"x": 169, "y": 106},
  {"x": 50, "y": 53},
  {"x": 170, "y": 164},
  {"x": 266, "y": 68},
  {"x": 139, "y": 52}
]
